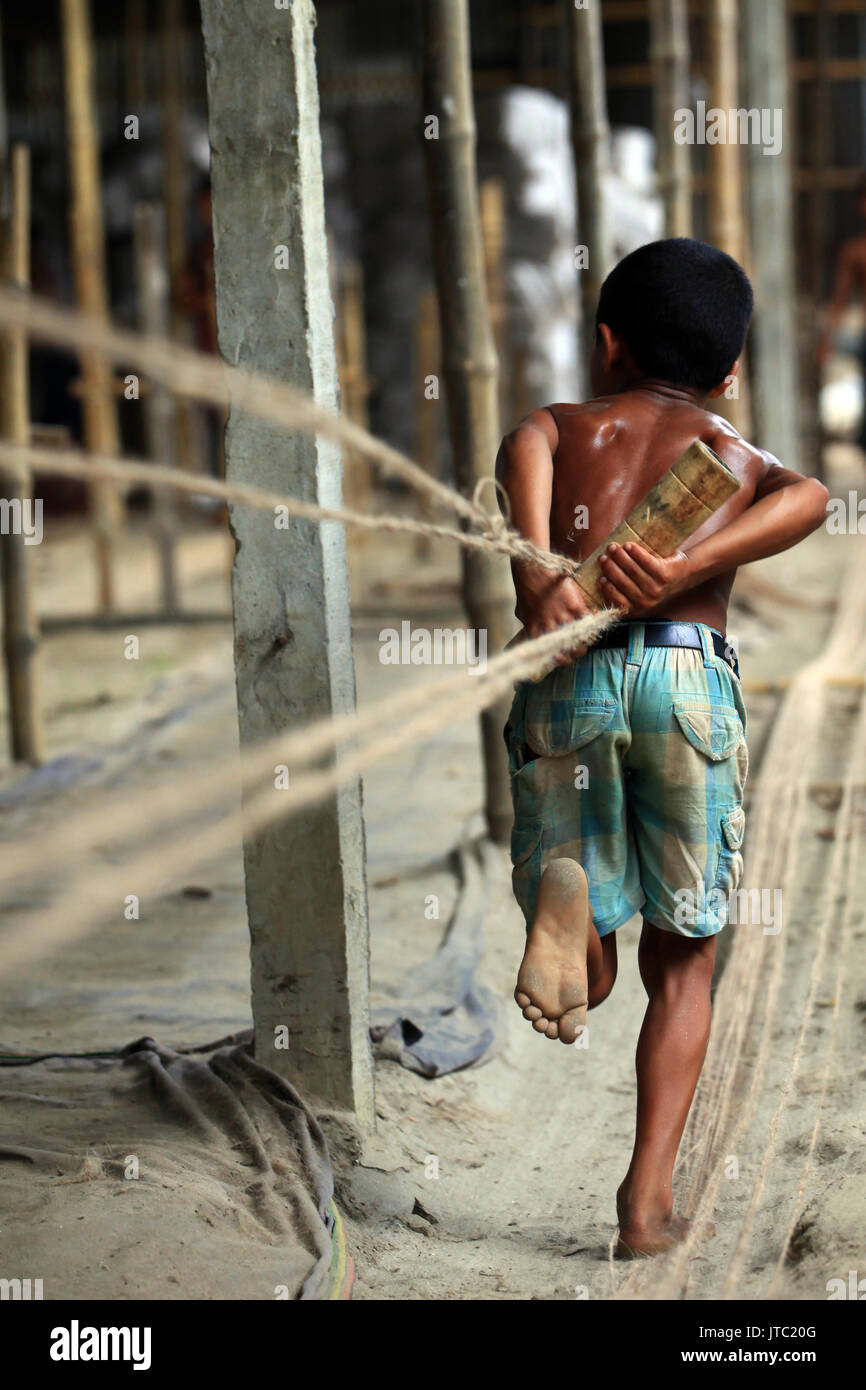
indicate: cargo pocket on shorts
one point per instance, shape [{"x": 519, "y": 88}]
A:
[
  {"x": 730, "y": 869},
  {"x": 526, "y": 864},
  {"x": 559, "y": 724},
  {"x": 716, "y": 732}
]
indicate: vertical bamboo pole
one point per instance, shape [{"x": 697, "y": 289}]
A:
[
  {"x": 175, "y": 191},
  {"x": 726, "y": 189},
  {"x": 816, "y": 229},
  {"x": 153, "y": 308},
  {"x": 20, "y": 625},
  {"x": 775, "y": 374},
  {"x": 590, "y": 139},
  {"x": 354, "y": 385},
  {"x": 171, "y": 97},
  {"x": 468, "y": 352},
  {"x": 669, "y": 40},
  {"x": 726, "y": 176},
  {"x": 134, "y": 33},
  {"x": 88, "y": 256},
  {"x": 492, "y": 210},
  {"x": 426, "y": 364}
]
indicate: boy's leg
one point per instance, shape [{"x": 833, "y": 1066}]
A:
[
  {"x": 677, "y": 972},
  {"x": 566, "y": 966}
]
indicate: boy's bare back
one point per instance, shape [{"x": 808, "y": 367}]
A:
[{"x": 612, "y": 450}]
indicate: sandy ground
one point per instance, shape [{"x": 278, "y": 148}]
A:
[{"x": 495, "y": 1183}]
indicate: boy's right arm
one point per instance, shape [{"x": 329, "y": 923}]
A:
[{"x": 524, "y": 467}]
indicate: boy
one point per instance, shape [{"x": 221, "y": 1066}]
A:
[{"x": 628, "y": 760}]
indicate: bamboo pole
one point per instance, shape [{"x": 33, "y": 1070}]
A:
[
  {"x": 159, "y": 411},
  {"x": 775, "y": 376},
  {"x": 817, "y": 226},
  {"x": 354, "y": 384},
  {"x": 492, "y": 209},
  {"x": 88, "y": 257},
  {"x": 426, "y": 413},
  {"x": 590, "y": 139},
  {"x": 134, "y": 33},
  {"x": 670, "y": 59},
  {"x": 726, "y": 196},
  {"x": 20, "y": 624},
  {"x": 175, "y": 193},
  {"x": 469, "y": 360}
]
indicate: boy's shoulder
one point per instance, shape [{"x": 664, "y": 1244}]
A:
[{"x": 610, "y": 419}]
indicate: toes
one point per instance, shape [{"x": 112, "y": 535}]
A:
[
  {"x": 540, "y": 1025},
  {"x": 571, "y": 1025},
  {"x": 522, "y": 1000},
  {"x": 532, "y": 1013},
  {"x": 553, "y": 1029}
]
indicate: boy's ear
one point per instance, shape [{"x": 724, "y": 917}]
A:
[
  {"x": 723, "y": 386},
  {"x": 609, "y": 346}
]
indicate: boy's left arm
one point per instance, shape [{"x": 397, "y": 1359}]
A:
[{"x": 787, "y": 507}]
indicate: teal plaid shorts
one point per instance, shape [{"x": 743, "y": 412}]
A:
[{"x": 632, "y": 761}]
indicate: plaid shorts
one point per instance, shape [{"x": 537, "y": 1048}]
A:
[{"x": 632, "y": 761}]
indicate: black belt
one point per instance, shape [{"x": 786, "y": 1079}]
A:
[{"x": 669, "y": 635}]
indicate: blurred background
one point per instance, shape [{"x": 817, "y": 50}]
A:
[{"x": 148, "y": 61}]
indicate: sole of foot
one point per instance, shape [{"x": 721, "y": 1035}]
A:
[{"x": 551, "y": 983}]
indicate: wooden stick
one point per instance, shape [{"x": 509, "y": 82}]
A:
[
  {"x": 20, "y": 625},
  {"x": 134, "y": 36},
  {"x": 88, "y": 258},
  {"x": 470, "y": 364},
  {"x": 681, "y": 501},
  {"x": 726, "y": 201},
  {"x": 590, "y": 139},
  {"x": 354, "y": 384},
  {"x": 776, "y": 396},
  {"x": 426, "y": 365},
  {"x": 670, "y": 56},
  {"x": 176, "y": 182},
  {"x": 492, "y": 208},
  {"x": 159, "y": 410}
]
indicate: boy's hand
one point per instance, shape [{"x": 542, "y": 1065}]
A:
[
  {"x": 545, "y": 603},
  {"x": 637, "y": 580}
]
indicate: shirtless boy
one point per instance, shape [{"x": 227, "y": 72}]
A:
[{"x": 628, "y": 760}]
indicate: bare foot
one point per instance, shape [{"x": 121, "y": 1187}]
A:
[
  {"x": 551, "y": 983},
  {"x": 651, "y": 1238},
  {"x": 643, "y": 1236}
]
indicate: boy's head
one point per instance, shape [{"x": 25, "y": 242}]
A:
[{"x": 677, "y": 311}]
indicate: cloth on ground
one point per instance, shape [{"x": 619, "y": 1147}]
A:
[
  {"x": 444, "y": 1020},
  {"x": 161, "y": 1175}
]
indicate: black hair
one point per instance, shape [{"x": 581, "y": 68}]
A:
[{"x": 683, "y": 308}]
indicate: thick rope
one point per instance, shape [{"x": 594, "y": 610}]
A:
[
  {"x": 82, "y": 899},
  {"x": 19, "y": 459},
  {"x": 203, "y": 377}
]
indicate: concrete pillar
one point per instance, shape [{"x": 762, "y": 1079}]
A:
[
  {"x": 305, "y": 876},
  {"x": 776, "y": 383}
]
